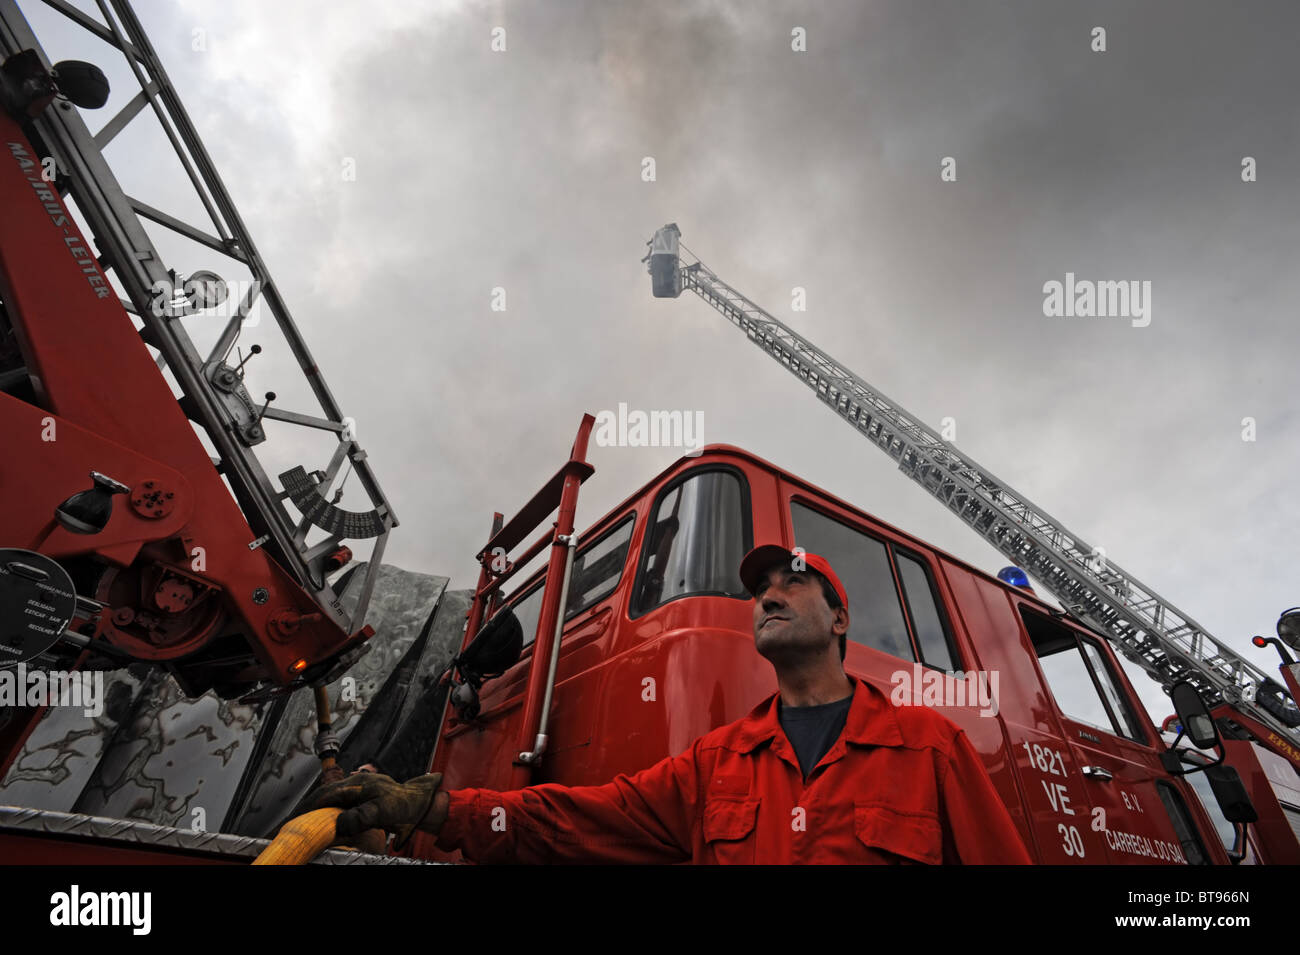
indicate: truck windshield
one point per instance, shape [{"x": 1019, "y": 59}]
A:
[{"x": 699, "y": 531}]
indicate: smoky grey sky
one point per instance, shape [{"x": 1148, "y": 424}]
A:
[{"x": 522, "y": 169}]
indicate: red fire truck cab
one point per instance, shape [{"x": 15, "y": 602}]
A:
[{"x": 657, "y": 649}]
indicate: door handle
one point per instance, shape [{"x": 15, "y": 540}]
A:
[{"x": 1099, "y": 773}]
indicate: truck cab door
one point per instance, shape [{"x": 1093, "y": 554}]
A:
[{"x": 1138, "y": 813}]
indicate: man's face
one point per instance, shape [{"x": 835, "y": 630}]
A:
[{"x": 792, "y": 621}]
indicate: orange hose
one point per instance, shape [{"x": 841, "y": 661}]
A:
[{"x": 302, "y": 839}]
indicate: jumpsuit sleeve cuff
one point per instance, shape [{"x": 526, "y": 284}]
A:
[{"x": 460, "y": 812}]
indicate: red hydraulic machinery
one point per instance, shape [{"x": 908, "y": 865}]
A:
[{"x": 135, "y": 481}]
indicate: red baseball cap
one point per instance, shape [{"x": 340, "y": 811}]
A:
[{"x": 756, "y": 564}]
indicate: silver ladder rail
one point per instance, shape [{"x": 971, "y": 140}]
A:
[
  {"x": 228, "y": 415},
  {"x": 1149, "y": 630}
]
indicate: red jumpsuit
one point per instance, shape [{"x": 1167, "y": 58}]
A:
[{"x": 900, "y": 785}]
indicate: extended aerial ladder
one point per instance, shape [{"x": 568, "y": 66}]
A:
[
  {"x": 229, "y": 593},
  {"x": 1148, "y": 629}
]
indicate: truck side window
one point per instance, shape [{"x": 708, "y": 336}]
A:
[
  {"x": 862, "y": 563},
  {"x": 699, "y": 531},
  {"x": 598, "y": 566},
  {"x": 1110, "y": 689},
  {"x": 529, "y": 610},
  {"x": 927, "y": 621},
  {"x": 597, "y": 569},
  {"x": 1081, "y": 683}
]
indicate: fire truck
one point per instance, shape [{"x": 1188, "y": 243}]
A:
[{"x": 141, "y": 524}]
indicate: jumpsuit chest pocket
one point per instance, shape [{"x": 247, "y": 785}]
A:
[
  {"x": 729, "y": 829},
  {"x": 892, "y": 837}
]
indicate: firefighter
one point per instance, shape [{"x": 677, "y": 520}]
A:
[{"x": 826, "y": 770}]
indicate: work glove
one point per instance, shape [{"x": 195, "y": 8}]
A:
[{"x": 375, "y": 801}]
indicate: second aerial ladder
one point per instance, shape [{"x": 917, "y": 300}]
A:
[{"x": 1148, "y": 629}]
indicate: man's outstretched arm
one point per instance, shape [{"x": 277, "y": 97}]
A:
[{"x": 643, "y": 818}]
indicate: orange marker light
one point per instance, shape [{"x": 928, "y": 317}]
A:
[{"x": 298, "y": 666}]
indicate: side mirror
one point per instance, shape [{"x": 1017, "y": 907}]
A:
[
  {"x": 1230, "y": 793},
  {"x": 1288, "y": 628},
  {"x": 1197, "y": 722},
  {"x": 1234, "y": 802},
  {"x": 83, "y": 83},
  {"x": 496, "y": 647}
]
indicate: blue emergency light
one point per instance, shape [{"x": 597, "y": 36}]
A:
[{"x": 1015, "y": 577}]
